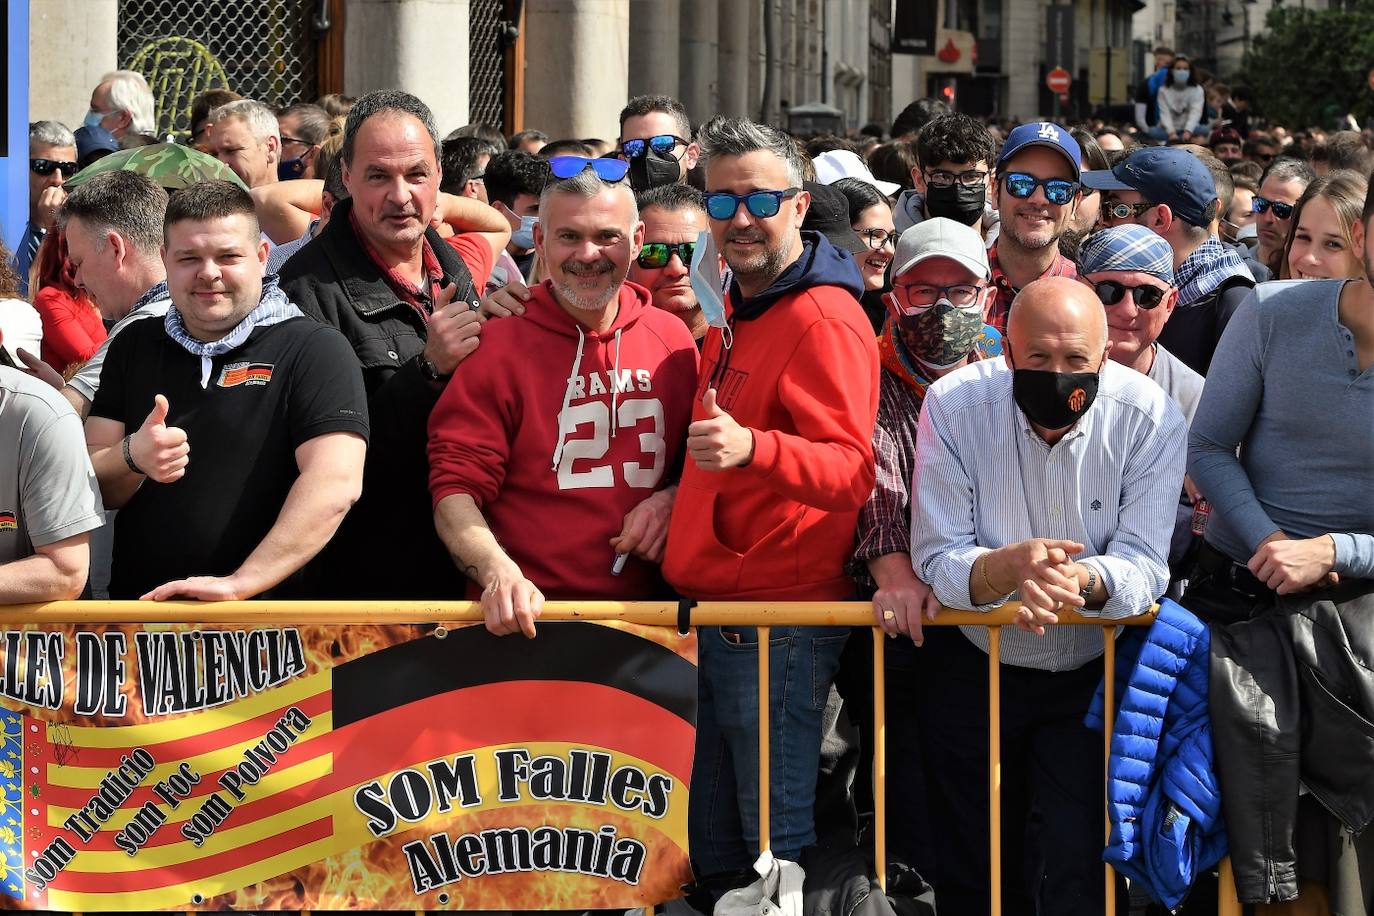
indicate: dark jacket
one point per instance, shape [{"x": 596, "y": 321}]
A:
[
  {"x": 1292, "y": 699},
  {"x": 1162, "y": 794},
  {"x": 1192, "y": 333},
  {"x": 387, "y": 546}
]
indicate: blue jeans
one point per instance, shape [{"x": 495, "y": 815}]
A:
[{"x": 723, "y": 816}]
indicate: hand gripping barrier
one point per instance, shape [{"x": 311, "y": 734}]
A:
[{"x": 762, "y": 615}]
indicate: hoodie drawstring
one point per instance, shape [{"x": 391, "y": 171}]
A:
[
  {"x": 615, "y": 384},
  {"x": 567, "y": 395}
]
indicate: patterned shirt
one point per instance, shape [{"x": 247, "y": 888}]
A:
[
  {"x": 420, "y": 298},
  {"x": 997, "y": 315},
  {"x": 984, "y": 479}
]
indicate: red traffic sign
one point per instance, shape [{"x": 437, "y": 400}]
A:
[{"x": 1058, "y": 80}]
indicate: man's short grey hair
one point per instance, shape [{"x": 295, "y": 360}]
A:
[
  {"x": 261, "y": 120},
  {"x": 129, "y": 92},
  {"x": 586, "y": 184},
  {"x": 50, "y": 133},
  {"x": 722, "y": 136},
  {"x": 383, "y": 101},
  {"x": 1286, "y": 168},
  {"x": 126, "y": 202}
]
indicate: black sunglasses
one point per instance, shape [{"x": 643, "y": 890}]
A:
[
  {"x": 606, "y": 169},
  {"x": 46, "y": 167},
  {"x": 1112, "y": 292},
  {"x": 657, "y": 254},
  {"x": 663, "y": 144},
  {"x": 1281, "y": 210},
  {"x": 1058, "y": 191}
]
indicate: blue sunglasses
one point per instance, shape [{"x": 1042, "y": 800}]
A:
[
  {"x": 723, "y": 205},
  {"x": 606, "y": 169},
  {"x": 1058, "y": 191}
]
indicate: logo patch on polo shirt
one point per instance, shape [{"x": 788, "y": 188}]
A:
[
  {"x": 8, "y": 521},
  {"x": 235, "y": 374}
]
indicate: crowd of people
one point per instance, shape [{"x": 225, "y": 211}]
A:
[{"x": 1080, "y": 369}]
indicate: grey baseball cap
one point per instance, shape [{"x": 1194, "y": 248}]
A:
[{"x": 941, "y": 238}]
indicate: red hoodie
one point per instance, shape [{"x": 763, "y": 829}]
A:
[
  {"x": 802, "y": 375},
  {"x": 536, "y": 429}
]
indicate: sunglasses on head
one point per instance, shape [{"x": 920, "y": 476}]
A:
[
  {"x": 1112, "y": 292},
  {"x": 48, "y": 166},
  {"x": 1058, "y": 191},
  {"x": 1281, "y": 210},
  {"x": 657, "y": 254},
  {"x": 761, "y": 204},
  {"x": 663, "y": 144},
  {"x": 606, "y": 169}
]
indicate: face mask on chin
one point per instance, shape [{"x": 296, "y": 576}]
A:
[
  {"x": 1053, "y": 400},
  {"x": 653, "y": 170}
]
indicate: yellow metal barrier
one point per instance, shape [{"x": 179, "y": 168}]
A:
[{"x": 712, "y": 613}]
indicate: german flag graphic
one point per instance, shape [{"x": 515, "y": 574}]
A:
[
  {"x": 8, "y": 521},
  {"x": 469, "y": 771},
  {"x": 236, "y": 374}
]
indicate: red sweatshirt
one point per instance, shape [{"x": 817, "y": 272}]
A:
[
  {"x": 803, "y": 376},
  {"x": 557, "y": 432}
]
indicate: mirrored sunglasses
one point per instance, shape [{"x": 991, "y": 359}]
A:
[
  {"x": 606, "y": 169},
  {"x": 1281, "y": 210},
  {"x": 657, "y": 254},
  {"x": 1058, "y": 191},
  {"x": 663, "y": 144}
]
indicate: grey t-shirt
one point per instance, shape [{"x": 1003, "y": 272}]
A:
[
  {"x": 48, "y": 491},
  {"x": 86, "y": 382}
]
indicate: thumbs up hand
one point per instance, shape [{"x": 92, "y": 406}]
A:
[
  {"x": 160, "y": 451},
  {"x": 716, "y": 442}
]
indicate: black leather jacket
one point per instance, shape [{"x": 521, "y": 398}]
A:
[
  {"x": 387, "y": 546},
  {"x": 1292, "y": 697}
]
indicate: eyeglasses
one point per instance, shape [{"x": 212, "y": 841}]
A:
[
  {"x": 286, "y": 139},
  {"x": 939, "y": 178},
  {"x": 663, "y": 144},
  {"x": 760, "y": 204},
  {"x": 1264, "y": 158},
  {"x": 1058, "y": 191},
  {"x": 657, "y": 254},
  {"x": 1281, "y": 210},
  {"x": 1121, "y": 210},
  {"x": 606, "y": 169},
  {"x": 1112, "y": 292},
  {"x": 877, "y": 238},
  {"x": 46, "y": 167},
  {"x": 921, "y": 296}
]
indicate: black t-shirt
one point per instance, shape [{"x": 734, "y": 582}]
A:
[{"x": 286, "y": 384}]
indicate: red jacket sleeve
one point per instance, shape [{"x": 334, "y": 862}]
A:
[
  {"x": 830, "y": 390},
  {"x": 476, "y": 254},
  {"x": 66, "y": 338},
  {"x": 470, "y": 433}
]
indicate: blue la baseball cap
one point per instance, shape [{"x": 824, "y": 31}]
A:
[
  {"x": 1162, "y": 175},
  {"x": 1042, "y": 133}
]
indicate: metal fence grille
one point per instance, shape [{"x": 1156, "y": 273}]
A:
[
  {"x": 261, "y": 49},
  {"x": 486, "y": 64},
  {"x": 880, "y": 62}
]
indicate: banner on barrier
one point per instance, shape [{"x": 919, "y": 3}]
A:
[{"x": 344, "y": 767}]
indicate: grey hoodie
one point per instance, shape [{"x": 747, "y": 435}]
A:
[{"x": 910, "y": 210}]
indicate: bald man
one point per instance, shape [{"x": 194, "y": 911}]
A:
[{"x": 1051, "y": 477}]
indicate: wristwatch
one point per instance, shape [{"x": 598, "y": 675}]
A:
[
  {"x": 1086, "y": 592},
  {"x": 428, "y": 370}
]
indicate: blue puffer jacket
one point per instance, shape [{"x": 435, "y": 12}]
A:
[{"x": 1164, "y": 797}]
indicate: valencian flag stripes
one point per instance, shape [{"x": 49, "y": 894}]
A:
[{"x": 344, "y": 767}]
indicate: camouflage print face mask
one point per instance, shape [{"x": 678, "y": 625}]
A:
[{"x": 943, "y": 334}]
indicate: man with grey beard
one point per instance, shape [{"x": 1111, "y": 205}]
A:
[{"x": 570, "y": 420}]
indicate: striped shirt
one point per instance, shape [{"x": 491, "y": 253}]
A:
[{"x": 984, "y": 479}]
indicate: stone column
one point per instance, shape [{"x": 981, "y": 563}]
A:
[
  {"x": 732, "y": 59},
  {"x": 654, "y": 59},
  {"x": 576, "y": 66},
  {"x": 81, "y": 35},
  {"x": 698, "y": 49},
  {"x": 420, "y": 46}
]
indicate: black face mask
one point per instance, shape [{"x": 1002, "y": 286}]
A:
[
  {"x": 956, "y": 202},
  {"x": 1053, "y": 400},
  {"x": 653, "y": 170}
]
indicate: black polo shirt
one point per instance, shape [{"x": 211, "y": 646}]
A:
[{"x": 286, "y": 384}]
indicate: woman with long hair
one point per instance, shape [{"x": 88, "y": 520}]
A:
[
  {"x": 1321, "y": 243},
  {"x": 72, "y": 327},
  {"x": 870, "y": 213}
]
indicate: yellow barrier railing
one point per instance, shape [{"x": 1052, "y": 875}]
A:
[{"x": 665, "y": 613}]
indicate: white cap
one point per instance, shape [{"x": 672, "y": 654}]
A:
[
  {"x": 941, "y": 238},
  {"x": 21, "y": 327},
  {"x": 841, "y": 163}
]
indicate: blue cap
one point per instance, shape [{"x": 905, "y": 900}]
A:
[
  {"x": 90, "y": 139},
  {"x": 1127, "y": 249},
  {"x": 1162, "y": 175},
  {"x": 1042, "y": 133}
]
